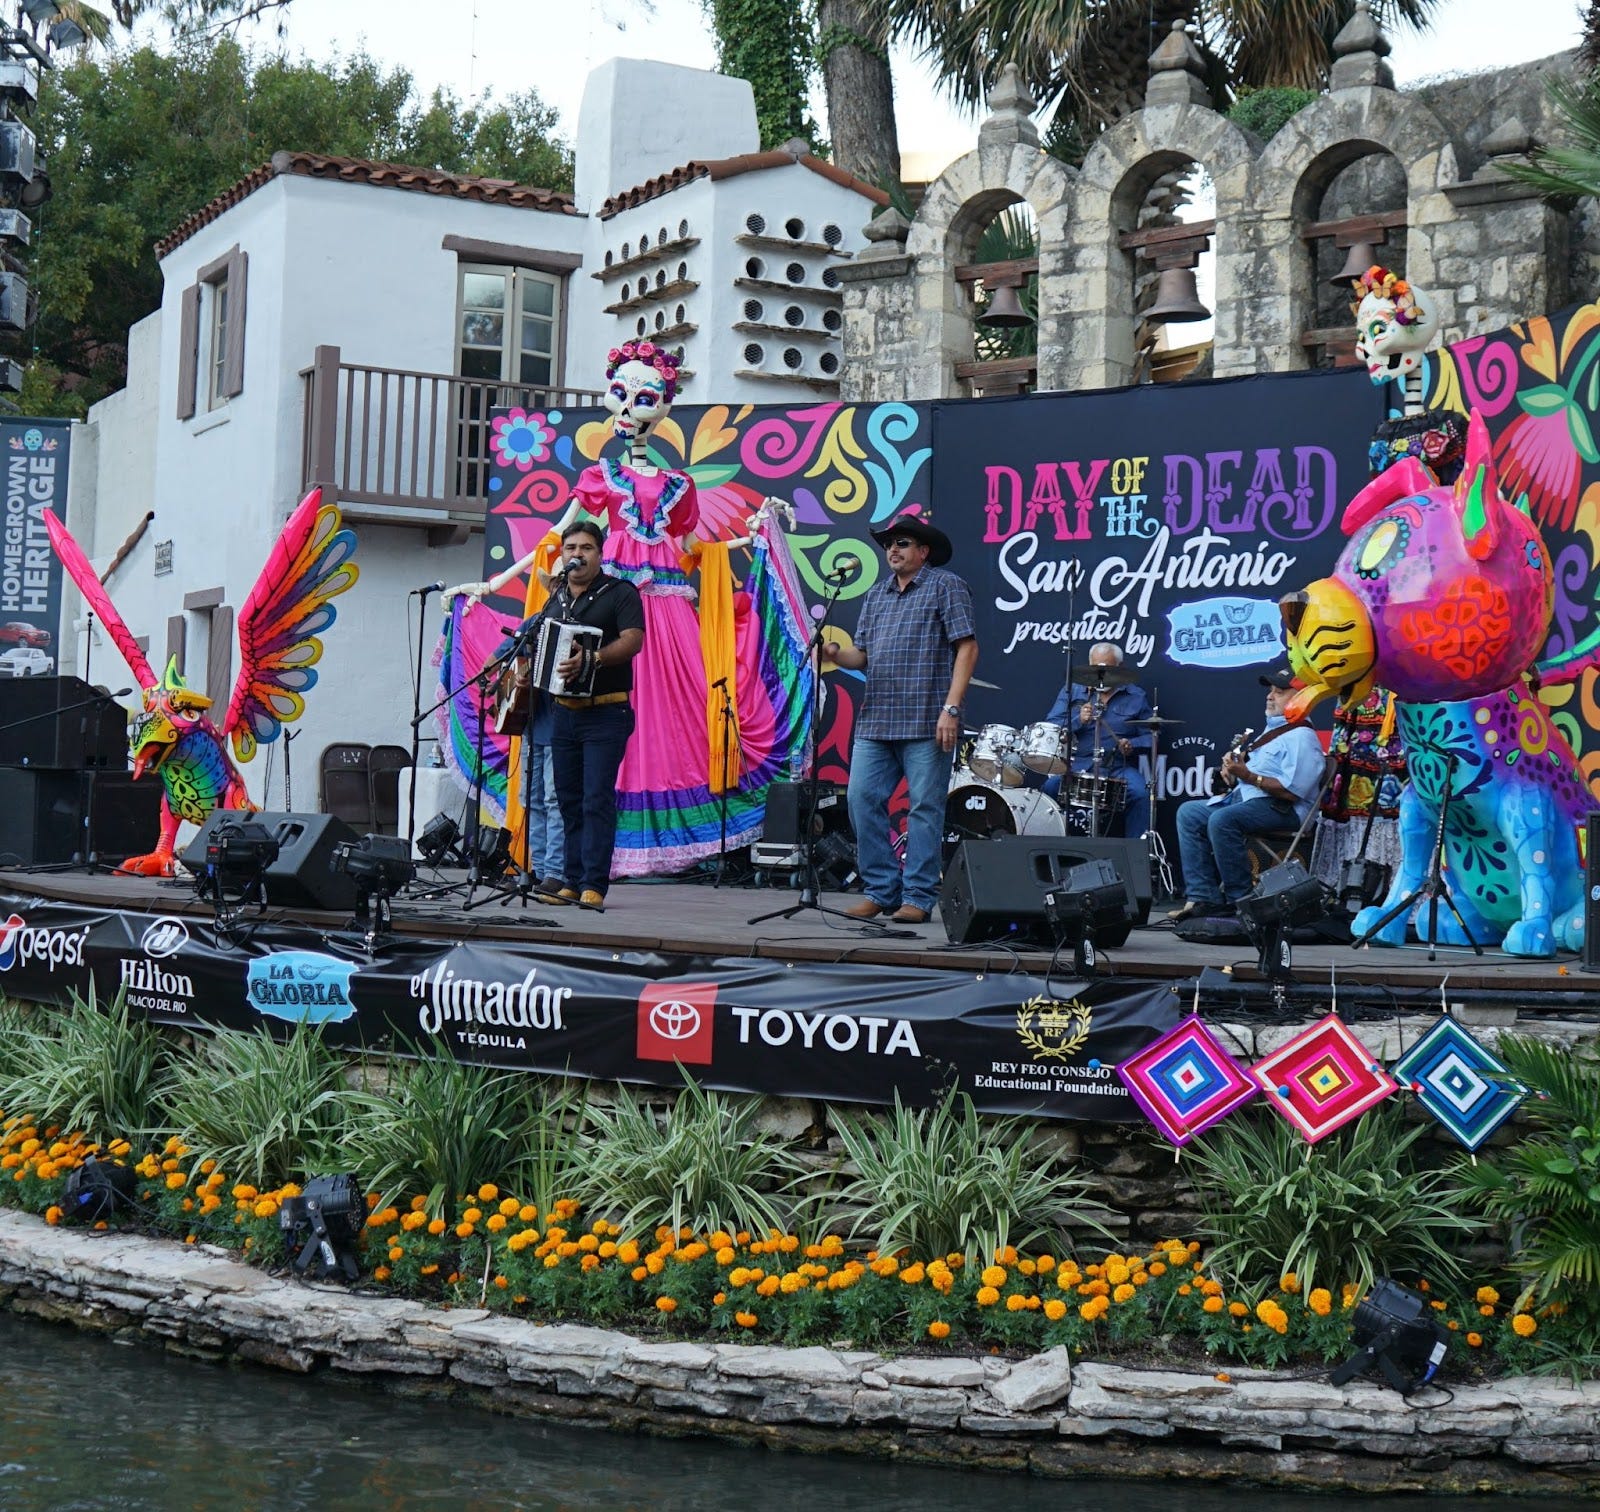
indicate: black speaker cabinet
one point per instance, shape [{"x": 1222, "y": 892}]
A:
[
  {"x": 60, "y": 722},
  {"x": 994, "y": 889},
  {"x": 39, "y": 817},
  {"x": 124, "y": 815},
  {"x": 786, "y": 803},
  {"x": 303, "y": 875},
  {"x": 1591, "y": 894}
]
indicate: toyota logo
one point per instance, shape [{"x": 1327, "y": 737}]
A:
[
  {"x": 163, "y": 938},
  {"x": 675, "y": 1020}
]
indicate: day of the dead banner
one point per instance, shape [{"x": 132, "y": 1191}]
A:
[
  {"x": 1016, "y": 1043},
  {"x": 1169, "y": 519}
]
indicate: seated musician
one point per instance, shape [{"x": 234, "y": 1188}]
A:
[
  {"x": 1270, "y": 787},
  {"x": 1122, "y": 742}
]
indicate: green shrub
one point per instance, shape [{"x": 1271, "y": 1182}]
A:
[
  {"x": 1355, "y": 1206},
  {"x": 1267, "y": 111},
  {"x": 941, "y": 1181}
]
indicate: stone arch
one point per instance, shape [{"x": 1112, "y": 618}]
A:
[
  {"x": 1296, "y": 168},
  {"x": 1117, "y": 173},
  {"x": 954, "y": 211}
]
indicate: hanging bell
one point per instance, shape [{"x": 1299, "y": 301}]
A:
[
  {"x": 1005, "y": 309},
  {"x": 1176, "y": 298},
  {"x": 1360, "y": 257}
]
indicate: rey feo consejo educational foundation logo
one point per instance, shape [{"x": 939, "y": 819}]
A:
[{"x": 1051, "y": 1030}]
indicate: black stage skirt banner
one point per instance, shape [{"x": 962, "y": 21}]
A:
[{"x": 859, "y": 1033}]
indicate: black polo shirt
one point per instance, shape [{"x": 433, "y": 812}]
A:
[{"x": 610, "y": 604}]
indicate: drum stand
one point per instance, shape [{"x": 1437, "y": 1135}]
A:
[{"x": 1160, "y": 867}]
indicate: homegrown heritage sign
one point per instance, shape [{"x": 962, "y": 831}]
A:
[
  {"x": 35, "y": 455},
  {"x": 1017, "y": 1043}
]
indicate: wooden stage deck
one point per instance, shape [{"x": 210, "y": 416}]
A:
[{"x": 690, "y": 918}]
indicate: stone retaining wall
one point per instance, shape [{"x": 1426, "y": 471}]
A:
[{"x": 1043, "y": 1414}]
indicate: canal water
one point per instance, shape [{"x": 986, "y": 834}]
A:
[{"x": 91, "y": 1426}]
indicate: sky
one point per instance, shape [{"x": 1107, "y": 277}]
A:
[{"x": 471, "y": 46}]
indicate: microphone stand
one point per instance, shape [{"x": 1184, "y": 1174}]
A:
[
  {"x": 809, "y": 884},
  {"x": 416, "y": 718},
  {"x": 722, "y": 797}
]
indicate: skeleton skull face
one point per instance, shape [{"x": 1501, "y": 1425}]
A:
[
  {"x": 637, "y": 398},
  {"x": 1389, "y": 349}
]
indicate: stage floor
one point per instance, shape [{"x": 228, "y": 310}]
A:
[{"x": 692, "y": 918}]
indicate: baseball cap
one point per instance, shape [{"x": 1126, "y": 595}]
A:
[{"x": 1280, "y": 678}]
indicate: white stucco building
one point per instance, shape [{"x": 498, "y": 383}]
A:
[{"x": 352, "y": 323}]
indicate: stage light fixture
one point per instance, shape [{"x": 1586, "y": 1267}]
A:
[
  {"x": 440, "y": 840},
  {"x": 1092, "y": 896},
  {"x": 320, "y": 1228},
  {"x": 1285, "y": 899},
  {"x": 93, "y": 1191},
  {"x": 493, "y": 850},
  {"x": 1397, "y": 1330},
  {"x": 379, "y": 865},
  {"x": 238, "y": 853}
]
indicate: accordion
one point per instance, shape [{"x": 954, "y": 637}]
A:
[{"x": 553, "y": 644}]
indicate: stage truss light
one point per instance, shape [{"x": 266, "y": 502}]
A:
[
  {"x": 439, "y": 841},
  {"x": 1093, "y": 896},
  {"x": 1285, "y": 899},
  {"x": 238, "y": 853},
  {"x": 1396, "y": 1330},
  {"x": 320, "y": 1228},
  {"x": 379, "y": 866}
]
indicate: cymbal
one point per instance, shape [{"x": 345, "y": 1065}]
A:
[
  {"x": 978, "y": 682},
  {"x": 1155, "y": 722},
  {"x": 1092, "y": 676}
]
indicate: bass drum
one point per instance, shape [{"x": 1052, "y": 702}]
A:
[{"x": 980, "y": 812}]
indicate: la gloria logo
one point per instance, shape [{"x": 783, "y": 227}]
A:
[{"x": 302, "y": 986}]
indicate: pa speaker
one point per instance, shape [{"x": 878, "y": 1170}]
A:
[
  {"x": 786, "y": 808},
  {"x": 39, "y": 816},
  {"x": 994, "y": 889},
  {"x": 303, "y": 875},
  {"x": 124, "y": 815},
  {"x": 60, "y": 722},
  {"x": 1591, "y": 893}
]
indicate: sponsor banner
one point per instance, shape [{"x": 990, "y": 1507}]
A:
[
  {"x": 1016, "y": 1043},
  {"x": 34, "y": 454}
]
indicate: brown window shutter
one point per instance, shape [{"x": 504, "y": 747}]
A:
[
  {"x": 219, "y": 662},
  {"x": 188, "y": 350},
  {"x": 177, "y": 638},
  {"x": 233, "y": 358}
]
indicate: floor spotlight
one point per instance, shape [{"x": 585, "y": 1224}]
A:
[
  {"x": 1285, "y": 899},
  {"x": 238, "y": 853},
  {"x": 439, "y": 841},
  {"x": 1397, "y": 1330},
  {"x": 493, "y": 850},
  {"x": 320, "y": 1228},
  {"x": 94, "y": 1190},
  {"x": 1092, "y": 897},
  {"x": 379, "y": 866}
]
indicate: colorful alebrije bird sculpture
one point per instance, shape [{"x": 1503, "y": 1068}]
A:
[{"x": 279, "y": 646}]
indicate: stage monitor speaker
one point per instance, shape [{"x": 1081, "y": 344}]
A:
[
  {"x": 124, "y": 815},
  {"x": 786, "y": 804},
  {"x": 303, "y": 875},
  {"x": 994, "y": 889},
  {"x": 60, "y": 722},
  {"x": 1591, "y": 893},
  {"x": 39, "y": 817}
]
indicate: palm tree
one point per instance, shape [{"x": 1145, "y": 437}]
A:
[{"x": 1572, "y": 169}]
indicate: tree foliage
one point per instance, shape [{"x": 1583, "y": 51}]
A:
[
  {"x": 1570, "y": 168},
  {"x": 137, "y": 140},
  {"x": 769, "y": 43}
]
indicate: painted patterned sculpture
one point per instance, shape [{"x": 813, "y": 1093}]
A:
[
  {"x": 279, "y": 627},
  {"x": 1443, "y": 594}
]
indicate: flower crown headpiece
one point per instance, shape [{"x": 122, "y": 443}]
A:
[
  {"x": 1389, "y": 286},
  {"x": 663, "y": 361}
]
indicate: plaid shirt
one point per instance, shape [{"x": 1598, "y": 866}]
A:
[{"x": 910, "y": 640}]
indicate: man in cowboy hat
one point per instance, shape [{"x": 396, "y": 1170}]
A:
[{"x": 915, "y": 640}]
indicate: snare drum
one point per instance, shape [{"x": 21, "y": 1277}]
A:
[
  {"x": 980, "y": 812},
  {"x": 1085, "y": 790},
  {"x": 994, "y": 756},
  {"x": 1046, "y": 748}
]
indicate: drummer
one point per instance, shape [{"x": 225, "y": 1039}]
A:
[{"x": 1108, "y": 707}]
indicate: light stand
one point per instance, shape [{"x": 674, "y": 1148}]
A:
[
  {"x": 1433, "y": 886},
  {"x": 1092, "y": 896},
  {"x": 809, "y": 882}
]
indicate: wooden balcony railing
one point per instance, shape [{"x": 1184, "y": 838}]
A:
[{"x": 405, "y": 448}]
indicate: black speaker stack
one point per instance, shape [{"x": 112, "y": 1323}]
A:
[
  {"x": 303, "y": 874},
  {"x": 66, "y": 794},
  {"x": 994, "y": 889}
]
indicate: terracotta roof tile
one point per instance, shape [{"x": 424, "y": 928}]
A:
[
  {"x": 363, "y": 171},
  {"x": 732, "y": 167}
]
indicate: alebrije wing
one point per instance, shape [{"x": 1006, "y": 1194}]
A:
[
  {"x": 281, "y": 624},
  {"x": 88, "y": 581},
  {"x": 469, "y": 642}
]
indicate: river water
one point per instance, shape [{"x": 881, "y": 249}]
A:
[{"x": 88, "y": 1424}]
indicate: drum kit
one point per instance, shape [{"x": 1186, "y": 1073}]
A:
[{"x": 989, "y": 795}]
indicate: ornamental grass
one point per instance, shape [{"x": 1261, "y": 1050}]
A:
[{"x": 497, "y": 1249}]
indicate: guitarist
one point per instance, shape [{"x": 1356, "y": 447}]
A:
[{"x": 1269, "y": 787}]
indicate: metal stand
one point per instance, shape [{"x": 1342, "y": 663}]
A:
[
  {"x": 1433, "y": 887},
  {"x": 416, "y": 717},
  {"x": 726, "y": 716}
]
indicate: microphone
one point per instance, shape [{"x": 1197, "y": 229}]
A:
[
  {"x": 428, "y": 588},
  {"x": 560, "y": 570},
  {"x": 844, "y": 567},
  {"x": 721, "y": 682}
]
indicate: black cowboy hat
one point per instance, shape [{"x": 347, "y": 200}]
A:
[{"x": 938, "y": 543}]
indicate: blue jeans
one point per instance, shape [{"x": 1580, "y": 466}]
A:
[
  {"x": 876, "y": 767},
  {"x": 585, "y": 752},
  {"x": 547, "y": 844},
  {"x": 1212, "y": 842}
]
